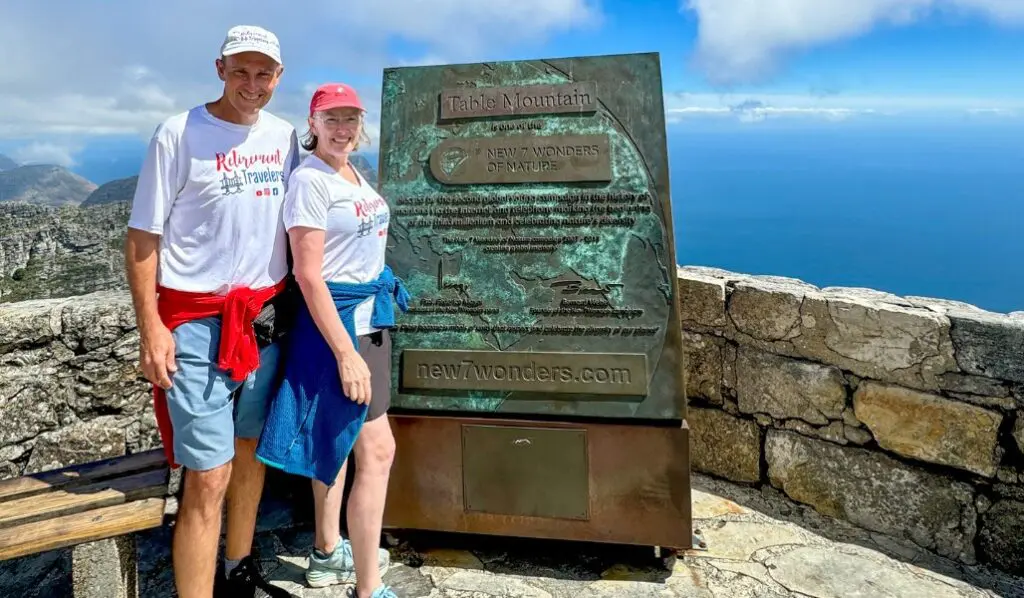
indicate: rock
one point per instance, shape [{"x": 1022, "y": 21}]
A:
[
  {"x": 707, "y": 505},
  {"x": 108, "y": 387},
  {"x": 446, "y": 557},
  {"x": 407, "y": 581},
  {"x": 1018, "y": 432},
  {"x": 753, "y": 570},
  {"x": 832, "y": 432},
  {"x": 875, "y": 492},
  {"x": 1001, "y": 538},
  {"x": 867, "y": 295},
  {"x": 610, "y": 588},
  {"x": 30, "y": 408},
  {"x": 43, "y": 575},
  {"x": 975, "y": 385},
  {"x": 703, "y": 356},
  {"x": 143, "y": 434},
  {"x": 1006, "y": 404},
  {"x": 767, "y": 311},
  {"x": 878, "y": 340},
  {"x": 930, "y": 428},
  {"x": 729, "y": 369},
  {"x": 28, "y": 323},
  {"x": 850, "y": 418},
  {"x": 788, "y": 389},
  {"x": 990, "y": 346},
  {"x": 69, "y": 362},
  {"x": 1009, "y": 490},
  {"x": 76, "y": 444},
  {"x": 724, "y": 445},
  {"x": 96, "y": 320},
  {"x": 828, "y": 573},
  {"x": 61, "y": 252},
  {"x": 987, "y": 344},
  {"x": 701, "y": 299},
  {"x": 13, "y": 453},
  {"x": 488, "y": 584},
  {"x": 856, "y": 435},
  {"x": 739, "y": 540},
  {"x": 1007, "y": 475},
  {"x": 9, "y": 470}
]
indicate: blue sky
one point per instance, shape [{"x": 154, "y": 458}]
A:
[{"x": 87, "y": 89}]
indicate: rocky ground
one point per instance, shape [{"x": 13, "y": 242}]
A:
[
  {"x": 60, "y": 251},
  {"x": 760, "y": 545}
]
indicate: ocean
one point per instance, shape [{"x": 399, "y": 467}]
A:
[{"x": 913, "y": 208}]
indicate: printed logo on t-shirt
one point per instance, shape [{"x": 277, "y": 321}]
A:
[
  {"x": 372, "y": 215},
  {"x": 240, "y": 172}
]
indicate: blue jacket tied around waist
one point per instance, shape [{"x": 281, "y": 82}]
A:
[{"x": 312, "y": 426}]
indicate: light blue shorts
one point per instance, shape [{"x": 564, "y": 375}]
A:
[{"x": 208, "y": 409}]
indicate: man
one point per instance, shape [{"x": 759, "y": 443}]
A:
[{"x": 205, "y": 250}]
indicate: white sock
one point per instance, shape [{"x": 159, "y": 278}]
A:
[{"x": 229, "y": 566}]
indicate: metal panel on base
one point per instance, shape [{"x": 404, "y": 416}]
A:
[{"x": 637, "y": 480}]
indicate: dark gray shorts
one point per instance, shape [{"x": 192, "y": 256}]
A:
[{"x": 375, "y": 349}]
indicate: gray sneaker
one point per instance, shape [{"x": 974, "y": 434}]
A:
[{"x": 339, "y": 567}]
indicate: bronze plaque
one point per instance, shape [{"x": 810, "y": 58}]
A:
[
  {"x": 547, "y": 468},
  {"x": 582, "y": 373},
  {"x": 522, "y": 159},
  {"x": 547, "y": 234},
  {"x": 518, "y": 100}
]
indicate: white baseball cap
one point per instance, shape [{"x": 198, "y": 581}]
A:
[{"x": 250, "y": 38}]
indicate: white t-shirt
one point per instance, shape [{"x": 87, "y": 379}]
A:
[
  {"x": 214, "y": 191},
  {"x": 354, "y": 219}
]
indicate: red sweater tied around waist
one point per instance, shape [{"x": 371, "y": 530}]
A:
[{"x": 238, "y": 354}]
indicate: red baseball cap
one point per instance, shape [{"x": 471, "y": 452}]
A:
[{"x": 334, "y": 95}]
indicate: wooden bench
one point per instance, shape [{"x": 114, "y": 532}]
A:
[{"x": 94, "y": 508}]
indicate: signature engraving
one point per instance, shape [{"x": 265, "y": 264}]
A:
[{"x": 578, "y": 287}]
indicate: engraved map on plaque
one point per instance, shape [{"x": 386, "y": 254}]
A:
[{"x": 532, "y": 224}]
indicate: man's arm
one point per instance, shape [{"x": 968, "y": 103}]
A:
[
  {"x": 154, "y": 195},
  {"x": 156, "y": 346}
]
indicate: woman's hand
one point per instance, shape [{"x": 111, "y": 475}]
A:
[{"x": 355, "y": 376}]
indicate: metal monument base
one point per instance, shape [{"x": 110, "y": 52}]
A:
[{"x": 611, "y": 483}]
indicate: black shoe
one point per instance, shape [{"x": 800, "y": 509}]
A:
[{"x": 246, "y": 581}]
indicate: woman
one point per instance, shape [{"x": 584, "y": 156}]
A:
[{"x": 336, "y": 385}]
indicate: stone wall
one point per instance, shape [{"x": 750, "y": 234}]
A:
[
  {"x": 904, "y": 416},
  {"x": 69, "y": 388}
]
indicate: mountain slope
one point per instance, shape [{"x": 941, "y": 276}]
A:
[
  {"x": 112, "y": 192},
  {"x": 44, "y": 184},
  {"x": 60, "y": 251},
  {"x": 6, "y": 163},
  {"x": 365, "y": 168}
]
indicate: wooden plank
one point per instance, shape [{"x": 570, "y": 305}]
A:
[
  {"x": 67, "y": 501},
  {"x": 118, "y": 520},
  {"x": 81, "y": 474}
]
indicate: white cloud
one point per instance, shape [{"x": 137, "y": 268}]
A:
[
  {"x": 123, "y": 69},
  {"x": 995, "y": 112},
  {"x": 836, "y": 107},
  {"x": 743, "y": 40},
  {"x": 41, "y": 152}
]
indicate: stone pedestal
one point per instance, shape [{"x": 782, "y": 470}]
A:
[{"x": 106, "y": 569}]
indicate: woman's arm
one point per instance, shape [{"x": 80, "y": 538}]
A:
[{"x": 307, "y": 255}]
